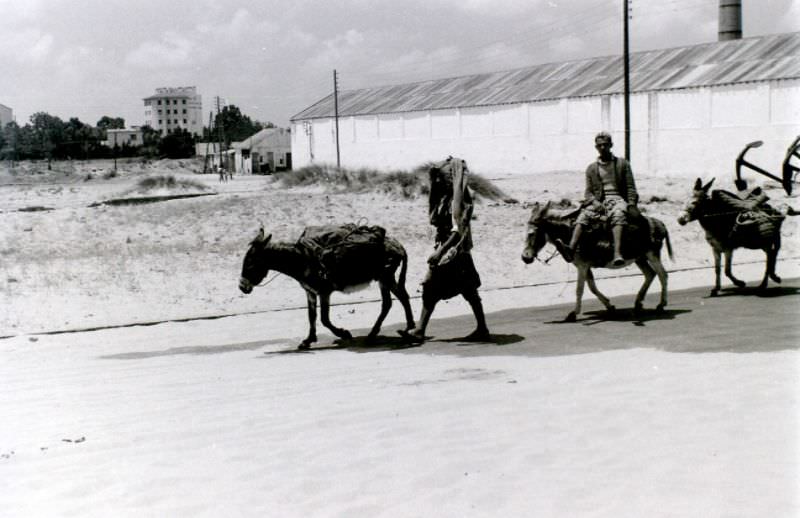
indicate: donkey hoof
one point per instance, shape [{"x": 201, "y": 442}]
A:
[
  {"x": 638, "y": 308},
  {"x": 660, "y": 308},
  {"x": 775, "y": 278},
  {"x": 304, "y": 346},
  {"x": 572, "y": 317},
  {"x": 714, "y": 292},
  {"x": 739, "y": 284},
  {"x": 611, "y": 309},
  {"x": 344, "y": 334}
]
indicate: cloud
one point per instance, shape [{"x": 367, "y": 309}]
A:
[
  {"x": 26, "y": 45},
  {"x": 499, "y": 8},
  {"x": 172, "y": 50}
]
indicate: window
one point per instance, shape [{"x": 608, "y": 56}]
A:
[
  {"x": 184, "y": 121},
  {"x": 184, "y": 110},
  {"x": 174, "y": 101},
  {"x": 160, "y": 122},
  {"x": 184, "y": 101},
  {"x": 159, "y": 112},
  {"x": 159, "y": 101}
]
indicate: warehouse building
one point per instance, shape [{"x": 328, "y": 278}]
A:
[{"x": 693, "y": 108}]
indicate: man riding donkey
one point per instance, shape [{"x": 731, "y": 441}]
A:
[
  {"x": 451, "y": 270},
  {"x": 610, "y": 195}
]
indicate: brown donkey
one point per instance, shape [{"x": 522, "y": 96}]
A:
[
  {"x": 731, "y": 222},
  {"x": 353, "y": 263},
  {"x": 641, "y": 245}
]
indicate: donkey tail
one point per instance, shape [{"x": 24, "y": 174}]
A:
[
  {"x": 669, "y": 245},
  {"x": 659, "y": 232},
  {"x": 401, "y": 280}
]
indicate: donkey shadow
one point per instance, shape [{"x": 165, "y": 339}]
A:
[
  {"x": 755, "y": 291},
  {"x": 637, "y": 318},
  {"x": 381, "y": 343}
]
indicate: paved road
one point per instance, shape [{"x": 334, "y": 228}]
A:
[{"x": 735, "y": 321}]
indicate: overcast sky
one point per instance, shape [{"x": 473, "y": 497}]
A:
[{"x": 273, "y": 58}]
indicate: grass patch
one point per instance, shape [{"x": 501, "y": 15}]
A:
[
  {"x": 168, "y": 182},
  {"x": 400, "y": 183}
]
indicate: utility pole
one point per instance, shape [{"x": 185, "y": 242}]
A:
[
  {"x": 336, "y": 115},
  {"x": 627, "y": 95},
  {"x": 220, "y": 130},
  {"x": 14, "y": 134}
]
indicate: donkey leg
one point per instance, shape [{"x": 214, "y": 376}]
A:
[
  {"x": 776, "y": 246},
  {"x": 311, "y": 298},
  {"x": 386, "y": 305},
  {"x": 717, "y": 283},
  {"x": 597, "y": 293},
  {"x": 649, "y": 275},
  {"x": 655, "y": 263},
  {"x": 729, "y": 269},
  {"x": 573, "y": 315},
  {"x": 400, "y": 292},
  {"x": 325, "y": 309}
]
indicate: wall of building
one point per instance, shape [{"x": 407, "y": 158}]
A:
[
  {"x": 692, "y": 132},
  {"x": 6, "y": 115},
  {"x": 173, "y": 108}
]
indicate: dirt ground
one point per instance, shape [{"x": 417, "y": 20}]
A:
[{"x": 72, "y": 262}]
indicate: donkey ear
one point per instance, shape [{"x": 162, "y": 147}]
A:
[
  {"x": 546, "y": 207},
  {"x": 707, "y": 186},
  {"x": 261, "y": 238},
  {"x": 698, "y": 184}
]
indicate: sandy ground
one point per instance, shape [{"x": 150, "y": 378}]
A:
[
  {"x": 77, "y": 266},
  {"x": 193, "y": 419}
]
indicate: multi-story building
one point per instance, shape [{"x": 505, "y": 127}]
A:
[
  {"x": 170, "y": 109},
  {"x": 6, "y": 115}
]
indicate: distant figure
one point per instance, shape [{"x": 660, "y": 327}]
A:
[
  {"x": 221, "y": 172},
  {"x": 610, "y": 192},
  {"x": 451, "y": 270}
]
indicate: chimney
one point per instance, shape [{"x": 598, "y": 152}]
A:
[{"x": 730, "y": 20}]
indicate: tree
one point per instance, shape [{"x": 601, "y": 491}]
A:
[
  {"x": 178, "y": 144},
  {"x": 233, "y": 126},
  {"x": 49, "y": 133},
  {"x": 107, "y": 122}
]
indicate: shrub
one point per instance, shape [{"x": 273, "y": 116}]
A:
[{"x": 405, "y": 184}]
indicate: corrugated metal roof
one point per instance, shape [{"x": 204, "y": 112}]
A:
[{"x": 758, "y": 58}]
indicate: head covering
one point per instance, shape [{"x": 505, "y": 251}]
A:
[{"x": 450, "y": 200}]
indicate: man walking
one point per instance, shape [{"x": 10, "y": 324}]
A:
[{"x": 451, "y": 270}]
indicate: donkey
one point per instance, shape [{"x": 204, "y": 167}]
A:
[
  {"x": 720, "y": 214},
  {"x": 295, "y": 260},
  {"x": 641, "y": 244}
]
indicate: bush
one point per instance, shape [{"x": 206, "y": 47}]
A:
[{"x": 405, "y": 184}]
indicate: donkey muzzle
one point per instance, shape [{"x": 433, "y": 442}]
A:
[{"x": 245, "y": 286}]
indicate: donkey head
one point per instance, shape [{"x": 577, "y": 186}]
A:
[
  {"x": 535, "y": 238},
  {"x": 255, "y": 266},
  {"x": 693, "y": 207}
]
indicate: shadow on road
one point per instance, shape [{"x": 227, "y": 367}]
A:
[
  {"x": 191, "y": 350},
  {"x": 754, "y": 291}
]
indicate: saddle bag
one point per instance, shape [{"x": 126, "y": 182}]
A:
[{"x": 344, "y": 252}]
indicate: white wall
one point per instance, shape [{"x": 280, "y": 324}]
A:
[{"x": 692, "y": 132}]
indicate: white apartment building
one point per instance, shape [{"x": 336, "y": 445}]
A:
[
  {"x": 171, "y": 108},
  {"x": 6, "y": 115}
]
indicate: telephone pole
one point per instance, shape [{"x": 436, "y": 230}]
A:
[
  {"x": 336, "y": 115},
  {"x": 627, "y": 79}
]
